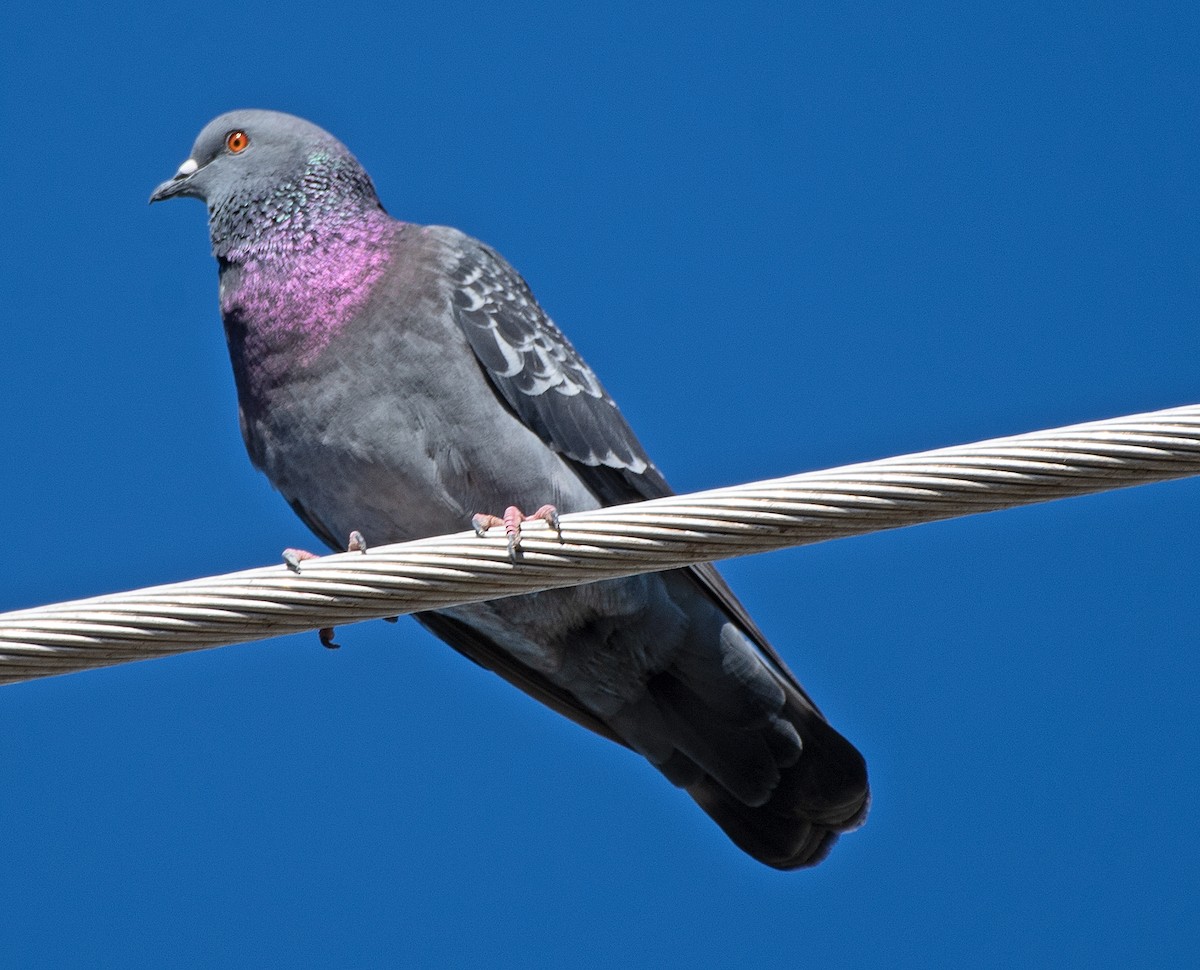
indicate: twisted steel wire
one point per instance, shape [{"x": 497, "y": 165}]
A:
[{"x": 619, "y": 541}]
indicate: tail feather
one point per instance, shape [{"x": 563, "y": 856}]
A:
[
  {"x": 823, "y": 794},
  {"x": 723, "y": 718},
  {"x": 782, "y": 789}
]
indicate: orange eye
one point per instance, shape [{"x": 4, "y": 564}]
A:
[{"x": 236, "y": 141}]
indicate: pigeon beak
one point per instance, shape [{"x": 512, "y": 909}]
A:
[{"x": 179, "y": 184}]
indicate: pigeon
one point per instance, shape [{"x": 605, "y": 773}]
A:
[{"x": 394, "y": 380}]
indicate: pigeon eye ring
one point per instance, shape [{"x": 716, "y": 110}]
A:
[{"x": 237, "y": 141}]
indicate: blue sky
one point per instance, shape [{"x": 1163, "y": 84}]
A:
[{"x": 786, "y": 240}]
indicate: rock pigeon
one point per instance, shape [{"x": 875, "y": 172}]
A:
[{"x": 394, "y": 379}]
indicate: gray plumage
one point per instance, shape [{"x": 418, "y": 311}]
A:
[{"x": 395, "y": 379}]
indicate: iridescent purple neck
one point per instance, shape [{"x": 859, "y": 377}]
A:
[{"x": 289, "y": 290}]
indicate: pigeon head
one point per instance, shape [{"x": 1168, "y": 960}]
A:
[{"x": 261, "y": 172}]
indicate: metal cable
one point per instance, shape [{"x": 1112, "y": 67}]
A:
[{"x": 619, "y": 541}]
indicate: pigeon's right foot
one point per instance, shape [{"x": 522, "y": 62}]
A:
[{"x": 513, "y": 517}]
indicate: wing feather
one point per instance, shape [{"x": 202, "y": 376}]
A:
[{"x": 542, "y": 377}]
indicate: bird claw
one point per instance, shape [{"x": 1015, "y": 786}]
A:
[
  {"x": 512, "y": 519},
  {"x": 293, "y": 558},
  {"x": 481, "y": 522}
]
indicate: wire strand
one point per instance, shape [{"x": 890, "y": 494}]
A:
[{"x": 619, "y": 541}]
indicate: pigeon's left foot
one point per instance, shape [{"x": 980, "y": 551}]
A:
[
  {"x": 293, "y": 558},
  {"x": 513, "y": 517}
]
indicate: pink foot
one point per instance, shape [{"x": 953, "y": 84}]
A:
[
  {"x": 513, "y": 517},
  {"x": 293, "y": 558}
]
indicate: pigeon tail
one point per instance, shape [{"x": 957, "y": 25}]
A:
[
  {"x": 822, "y": 795},
  {"x": 782, "y": 789}
]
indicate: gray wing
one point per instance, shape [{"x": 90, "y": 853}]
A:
[{"x": 543, "y": 379}]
